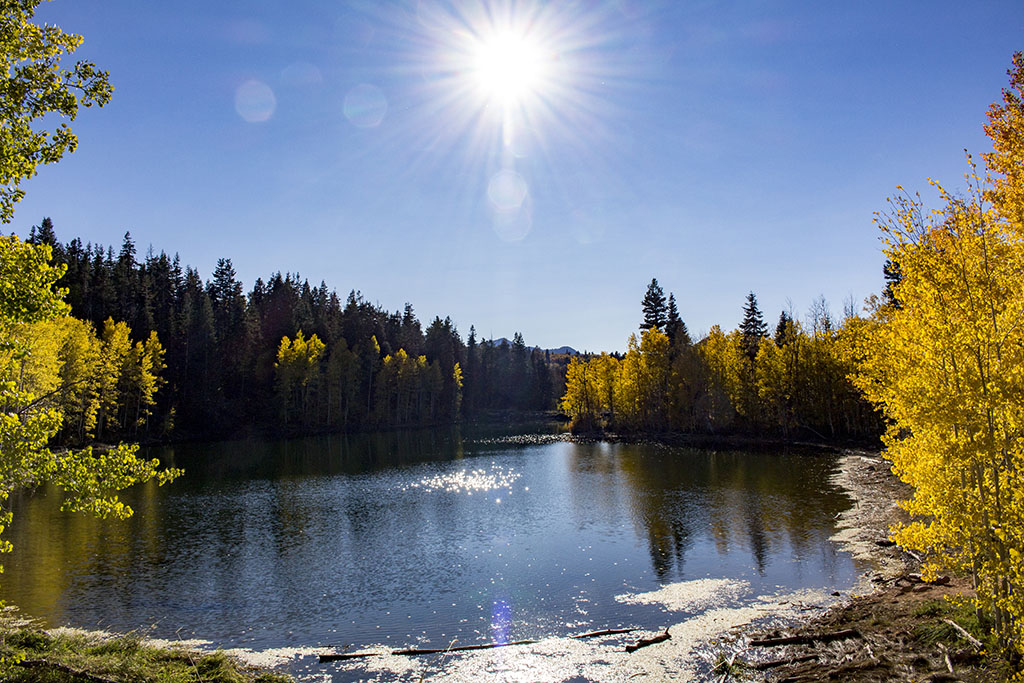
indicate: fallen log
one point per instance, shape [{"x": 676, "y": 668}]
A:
[
  {"x": 332, "y": 657},
  {"x": 807, "y": 640},
  {"x": 644, "y": 642},
  {"x": 605, "y": 632},
  {"x": 412, "y": 651},
  {"x": 966, "y": 636},
  {"x": 762, "y": 666}
]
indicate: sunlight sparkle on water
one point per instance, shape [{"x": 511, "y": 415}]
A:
[{"x": 469, "y": 481}]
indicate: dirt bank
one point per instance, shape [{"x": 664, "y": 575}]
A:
[{"x": 899, "y": 629}]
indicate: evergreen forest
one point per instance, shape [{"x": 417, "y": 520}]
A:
[{"x": 152, "y": 351}]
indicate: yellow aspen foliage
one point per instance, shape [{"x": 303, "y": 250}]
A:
[
  {"x": 947, "y": 367},
  {"x": 775, "y": 382},
  {"x": 79, "y": 361},
  {"x": 605, "y": 367},
  {"x": 1006, "y": 129},
  {"x": 143, "y": 380},
  {"x": 580, "y": 401},
  {"x": 296, "y": 369},
  {"x": 654, "y": 375},
  {"x": 37, "y": 344},
  {"x": 115, "y": 356},
  {"x": 629, "y": 384},
  {"x": 723, "y": 359},
  {"x": 457, "y": 386}
]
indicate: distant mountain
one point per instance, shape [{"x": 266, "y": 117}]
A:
[
  {"x": 501, "y": 341},
  {"x": 564, "y": 349}
]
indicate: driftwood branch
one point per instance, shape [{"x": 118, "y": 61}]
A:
[
  {"x": 762, "y": 666},
  {"x": 807, "y": 640},
  {"x": 963, "y": 632},
  {"x": 644, "y": 642},
  {"x": 413, "y": 651},
  {"x": 605, "y": 632},
  {"x": 46, "y": 664},
  {"x": 339, "y": 657}
]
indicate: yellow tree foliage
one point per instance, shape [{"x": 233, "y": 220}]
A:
[
  {"x": 723, "y": 358},
  {"x": 654, "y": 375},
  {"x": 629, "y": 387},
  {"x": 580, "y": 401},
  {"x": 947, "y": 367},
  {"x": 79, "y": 361},
  {"x": 296, "y": 369},
  {"x": 1006, "y": 129},
  {"x": 605, "y": 368},
  {"x": 31, "y": 353},
  {"x": 111, "y": 377}
]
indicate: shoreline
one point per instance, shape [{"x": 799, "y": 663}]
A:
[{"x": 904, "y": 628}]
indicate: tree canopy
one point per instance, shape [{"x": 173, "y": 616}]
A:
[{"x": 34, "y": 89}]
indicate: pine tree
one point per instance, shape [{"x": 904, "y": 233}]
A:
[
  {"x": 784, "y": 329},
  {"x": 654, "y": 307},
  {"x": 675, "y": 328},
  {"x": 753, "y": 328},
  {"x": 471, "y": 375},
  {"x": 892, "y": 274}
]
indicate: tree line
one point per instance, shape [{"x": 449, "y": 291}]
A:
[
  {"x": 794, "y": 383},
  {"x": 287, "y": 354}
]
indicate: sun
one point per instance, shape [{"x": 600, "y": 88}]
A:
[{"x": 509, "y": 67}]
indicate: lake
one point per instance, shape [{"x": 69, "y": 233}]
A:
[{"x": 425, "y": 537}]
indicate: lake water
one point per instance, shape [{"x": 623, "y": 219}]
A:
[{"x": 422, "y": 538}]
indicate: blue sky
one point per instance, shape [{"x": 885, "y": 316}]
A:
[{"x": 721, "y": 147}]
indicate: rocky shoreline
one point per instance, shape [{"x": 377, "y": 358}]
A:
[{"x": 894, "y": 627}]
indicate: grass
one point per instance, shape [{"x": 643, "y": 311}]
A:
[
  {"x": 729, "y": 667},
  {"x": 933, "y": 630},
  {"x": 28, "y": 655}
]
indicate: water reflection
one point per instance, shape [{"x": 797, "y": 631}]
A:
[
  {"x": 421, "y": 537},
  {"x": 765, "y": 502}
]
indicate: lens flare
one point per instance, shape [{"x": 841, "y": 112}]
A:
[
  {"x": 255, "y": 101},
  {"x": 507, "y": 190},
  {"x": 501, "y": 621},
  {"x": 365, "y": 106}
]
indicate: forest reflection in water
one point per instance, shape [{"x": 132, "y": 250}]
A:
[
  {"x": 760, "y": 502},
  {"x": 416, "y": 536}
]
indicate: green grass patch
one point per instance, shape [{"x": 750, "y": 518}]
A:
[
  {"x": 28, "y": 655},
  {"x": 933, "y": 630}
]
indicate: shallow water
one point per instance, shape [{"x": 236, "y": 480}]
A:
[{"x": 422, "y": 538}]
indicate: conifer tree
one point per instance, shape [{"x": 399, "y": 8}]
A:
[
  {"x": 675, "y": 328},
  {"x": 753, "y": 328},
  {"x": 784, "y": 329},
  {"x": 654, "y": 307}
]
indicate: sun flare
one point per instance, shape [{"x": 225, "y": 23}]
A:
[{"x": 508, "y": 67}]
